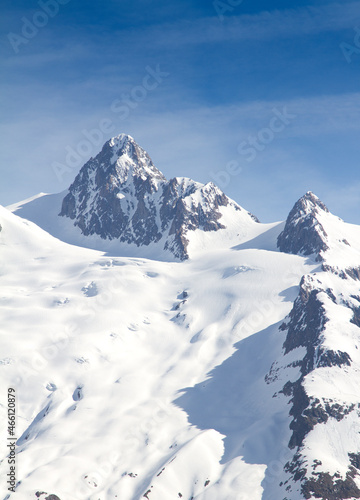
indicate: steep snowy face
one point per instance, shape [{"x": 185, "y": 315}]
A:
[
  {"x": 121, "y": 195},
  {"x": 319, "y": 373},
  {"x": 303, "y": 232}
]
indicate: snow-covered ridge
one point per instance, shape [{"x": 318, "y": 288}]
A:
[
  {"x": 322, "y": 343},
  {"x": 121, "y": 201},
  {"x": 312, "y": 230},
  {"x": 318, "y": 372}
]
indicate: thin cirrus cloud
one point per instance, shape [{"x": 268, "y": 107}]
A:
[
  {"x": 266, "y": 25},
  {"x": 197, "y": 142},
  {"x": 66, "y": 79},
  {"x": 263, "y": 26}
]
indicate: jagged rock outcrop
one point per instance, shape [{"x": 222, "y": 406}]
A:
[
  {"x": 307, "y": 324},
  {"x": 303, "y": 232},
  {"x": 309, "y": 328},
  {"x": 322, "y": 348},
  {"x": 121, "y": 195},
  {"x": 39, "y": 494}
]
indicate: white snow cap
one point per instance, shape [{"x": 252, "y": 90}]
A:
[{"x": 120, "y": 140}]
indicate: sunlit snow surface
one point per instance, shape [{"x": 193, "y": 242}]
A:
[{"x": 138, "y": 378}]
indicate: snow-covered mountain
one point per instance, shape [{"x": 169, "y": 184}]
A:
[
  {"x": 224, "y": 367},
  {"x": 303, "y": 232},
  {"x": 121, "y": 201},
  {"x": 321, "y": 347}
]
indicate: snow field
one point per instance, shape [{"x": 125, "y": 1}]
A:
[{"x": 106, "y": 345}]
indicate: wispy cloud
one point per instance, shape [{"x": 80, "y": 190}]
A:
[
  {"x": 67, "y": 78},
  {"x": 267, "y": 25},
  {"x": 196, "y": 141}
]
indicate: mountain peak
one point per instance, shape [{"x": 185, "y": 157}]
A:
[
  {"x": 121, "y": 195},
  {"x": 304, "y": 233},
  {"x": 120, "y": 139},
  {"x": 121, "y": 157},
  {"x": 309, "y": 203}
]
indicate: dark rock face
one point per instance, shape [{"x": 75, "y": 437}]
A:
[
  {"x": 121, "y": 195},
  {"x": 323, "y": 485},
  {"x": 49, "y": 497},
  {"x": 111, "y": 198},
  {"x": 349, "y": 272},
  {"x": 306, "y": 327},
  {"x": 303, "y": 233},
  {"x": 330, "y": 487},
  {"x": 307, "y": 323}
]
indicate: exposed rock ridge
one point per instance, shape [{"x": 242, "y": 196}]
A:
[
  {"x": 303, "y": 233},
  {"x": 316, "y": 351},
  {"x": 306, "y": 328},
  {"x": 121, "y": 195},
  {"x": 311, "y": 230}
]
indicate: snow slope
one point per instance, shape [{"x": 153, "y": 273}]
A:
[
  {"x": 232, "y": 375},
  {"x": 103, "y": 353},
  {"x": 43, "y": 209}
]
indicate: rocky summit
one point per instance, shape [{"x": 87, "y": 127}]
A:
[
  {"x": 303, "y": 231},
  {"x": 120, "y": 195}
]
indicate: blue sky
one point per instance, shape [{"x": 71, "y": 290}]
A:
[{"x": 258, "y": 97}]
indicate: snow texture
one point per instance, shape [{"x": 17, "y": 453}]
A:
[{"x": 232, "y": 374}]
